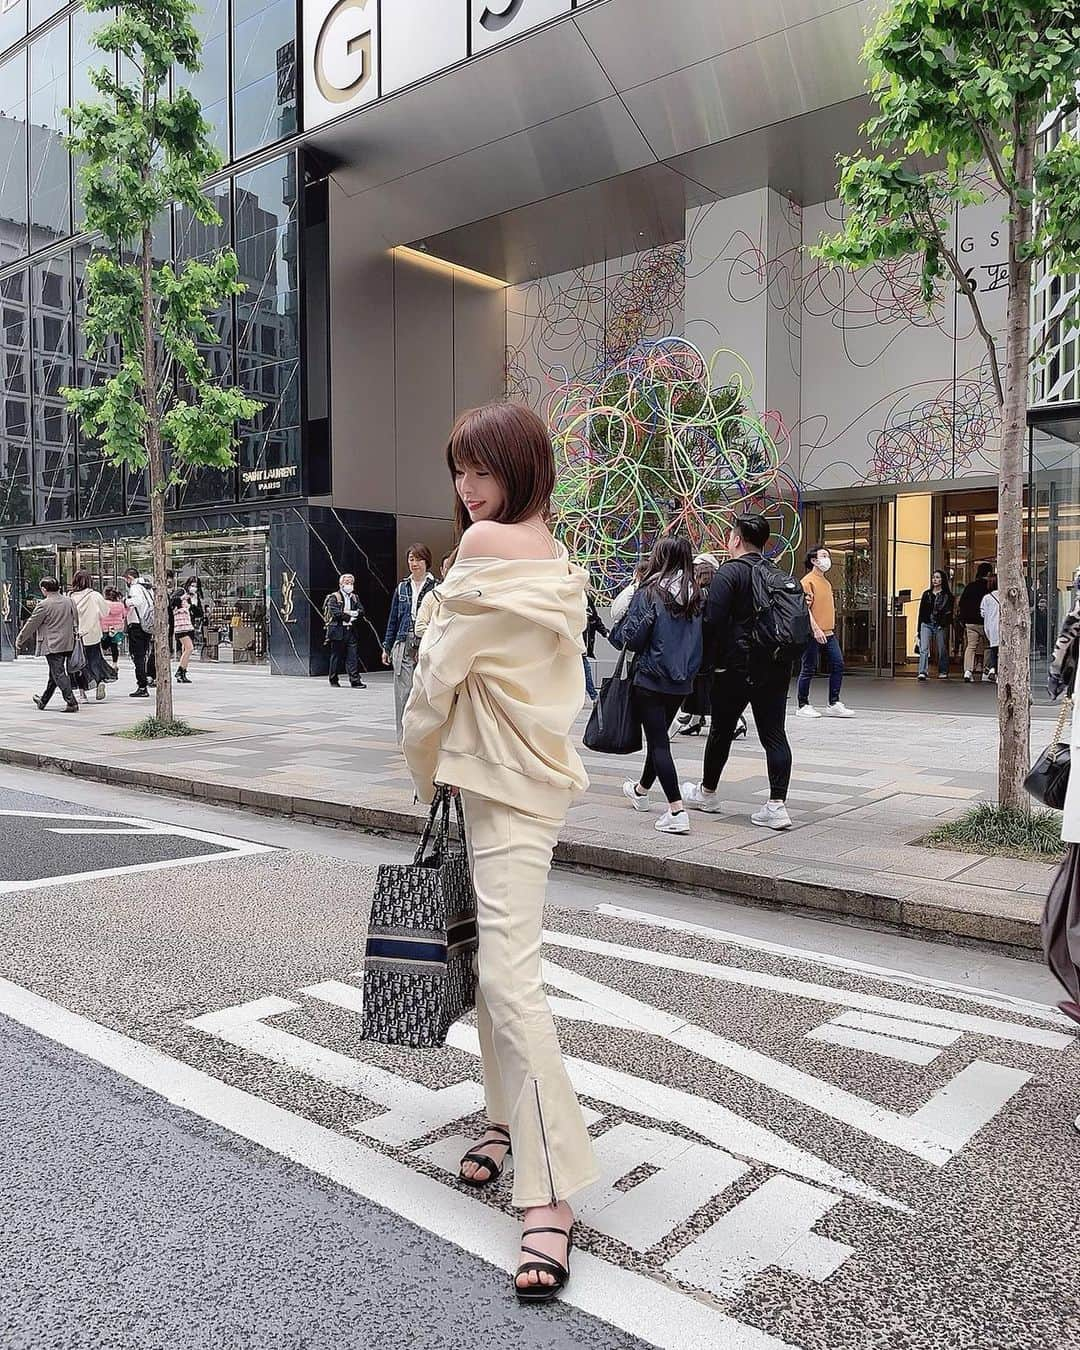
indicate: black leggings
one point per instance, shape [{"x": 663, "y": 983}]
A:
[
  {"x": 656, "y": 712},
  {"x": 731, "y": 692}
]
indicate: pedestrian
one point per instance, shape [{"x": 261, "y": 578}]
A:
[
  {"x": 969, "y": 613},
  {"x": 54, "y": 625},
  {"x": 822, "y": 605},
  {"x": 498, "y": 687},
  {"x": 184, "y": 629},
  {"x": 92, "y": 609},
  {"x": 402, "y": 642},
  {"x": 140, "y": 627},
  {"x": 621, "y": 603},
  {"x": 695, "y": 709},
  {"x": 935, "y": 620},
  {"x": 990, "y": 609},
  {"x": 593, "y": 625},
  {"x": 663, "y": 626},
  {"x": 196, "y": 607},
  {"x": 112, "y": 626},
  {"x": 427, "y": 606},
  {"x": 342, "y": 611},
  {"x": 745, "y": 674}
]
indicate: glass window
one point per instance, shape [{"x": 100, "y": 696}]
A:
[
  {"x": 210, "y": 84},
  {"x": 267, "y": 328},
  {"x": 50, "y": 166},
  {"x": 15, "y": 504},
  {"x": 101, "y": 489},
  {"x": 13, "y": 152},
  {"x": 264, "y": 62},
  {"x": 53, "y": 369},
  {"x": 12, "y": 22},
  {"x": 85, "y": 57},
  {"x": 40, "y": 10},
  {"x": 101, "y": 485}
]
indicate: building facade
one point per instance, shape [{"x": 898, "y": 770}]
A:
[{"x": 440, "y": 202}]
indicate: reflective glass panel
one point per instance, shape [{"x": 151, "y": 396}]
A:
[
  {"x": 264, "y": 73},
  {"x": 50, "y": 162},
  {"x": 13, "y": 150},
  {"x": 210, "y": 84},
  {"x": 15, "y": 507},
  {"x": 85, "y": 57},
  {"x": 53, "y": 367}
]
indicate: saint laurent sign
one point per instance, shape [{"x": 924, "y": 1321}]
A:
[{"x": 356, "y": 51}]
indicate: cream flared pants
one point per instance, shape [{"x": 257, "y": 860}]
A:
[{"x": 526, "y": 1086}]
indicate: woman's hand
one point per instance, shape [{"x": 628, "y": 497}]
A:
[{"x": 385, "y": 657}]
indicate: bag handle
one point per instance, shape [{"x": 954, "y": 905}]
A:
[{"x": 437, "y": 830}]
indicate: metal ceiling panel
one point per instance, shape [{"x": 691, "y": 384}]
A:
[
  {"x": 585, "y": 146},
  {"x": 481, "y": 102},
  {"x": 779, "y": 77},
  {"x": 603, "y": 220},
  {"x": 637, "y": 41}
]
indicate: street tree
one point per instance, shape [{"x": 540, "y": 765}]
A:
[
  {"x": 967, "y": 92},
  {"x": 143, "y": 150}
]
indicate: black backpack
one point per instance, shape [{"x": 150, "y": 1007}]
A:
[{"x": 779, "y": 627}]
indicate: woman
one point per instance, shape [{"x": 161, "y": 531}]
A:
[
  {"x": 935, "y": 624},
  {"x": 401, "y": 643},
  {"x": 498, "y": 687},
  {"x": 990, "y": 609},
  {"x": 184, "y": 629},
  {"x": 698, "y": 703},
  {"x": 593, "y": 624},
  {"x": 92, "y": 608},
  {"x": 112, "y": 625},
  {"x": 663, "y": 626}
]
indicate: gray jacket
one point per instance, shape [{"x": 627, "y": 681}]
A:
[{"x": 54, "y": 623}]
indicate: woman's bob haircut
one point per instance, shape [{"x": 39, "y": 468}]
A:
[{"x": 512, "y": 444}]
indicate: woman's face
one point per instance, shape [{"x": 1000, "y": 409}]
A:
[
  {"x": 417, "y": 566},
  {"x": 937, "y": 581},
  {"x": 481, "y": 492}
]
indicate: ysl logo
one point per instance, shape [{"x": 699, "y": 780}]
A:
[
  {"x": 5, "y": 602},
  {"x": 288, "y": 584},
  {"x": 343, "y": 52},
  {"x": 494, "y": 17}
]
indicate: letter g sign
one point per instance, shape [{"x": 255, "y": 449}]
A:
[{"x": 344, "y": 52}]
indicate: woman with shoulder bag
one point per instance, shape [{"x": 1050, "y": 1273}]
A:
[
  {"x": 401, "y": 644},
  {"x": 92, "y": 609},
  {"x": 499, "y": 684},
  {"x": 184, "y": 631},
  {"x": 663, "y": 626}
]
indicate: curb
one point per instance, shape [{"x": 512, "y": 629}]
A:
[{"x": 927, "y": 914}]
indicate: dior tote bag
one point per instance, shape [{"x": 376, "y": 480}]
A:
[{"x": 419, "y": 974}]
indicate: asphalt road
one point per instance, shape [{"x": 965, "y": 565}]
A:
[{"x": 812, "y": 1135}]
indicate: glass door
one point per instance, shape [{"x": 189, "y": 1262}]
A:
[{"x": 850, "y": 533}]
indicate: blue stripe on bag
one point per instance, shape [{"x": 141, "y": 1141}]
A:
[{"x": 403, "y": 949}]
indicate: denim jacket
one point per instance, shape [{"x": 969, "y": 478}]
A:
[{"x": 400, "y": 624}]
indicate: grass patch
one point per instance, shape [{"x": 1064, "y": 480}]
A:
[
  {"x": 1002, "y": 831},
  {"x": 153, "y": 729}
]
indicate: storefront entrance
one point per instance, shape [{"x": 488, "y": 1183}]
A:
[{"x": 851, "y": 533}]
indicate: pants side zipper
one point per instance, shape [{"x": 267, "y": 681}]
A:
[{"x": 543, "y": 1137}]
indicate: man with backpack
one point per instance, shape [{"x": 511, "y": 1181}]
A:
[
  {"x": 140, "y": 628},
  {"x": 756, "y": 622}
]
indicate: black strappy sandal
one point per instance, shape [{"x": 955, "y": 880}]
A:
[
  {"x": 494, "y": 1170},
  {"x": 544, "y": 1293}
]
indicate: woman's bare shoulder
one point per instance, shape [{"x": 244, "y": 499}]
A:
[{"x": 492, "y": 539}]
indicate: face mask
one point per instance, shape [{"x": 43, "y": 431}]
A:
[
  {"x": 346, "y": 590},
  {"x": 824, "y": 564}
]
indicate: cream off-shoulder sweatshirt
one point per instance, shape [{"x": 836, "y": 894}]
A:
[{"x": 499, "y": 683}]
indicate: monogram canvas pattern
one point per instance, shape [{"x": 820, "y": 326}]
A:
[{"x": 413, "y": 995}]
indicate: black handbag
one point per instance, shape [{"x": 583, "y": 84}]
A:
[
  {"x": 613, "y": 727},
  {"x": 1048, "y": 777},
  {"x": 419, "y": 967}
]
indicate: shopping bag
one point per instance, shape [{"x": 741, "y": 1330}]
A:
[
  {"x": 76, "y": 662},
  {"x": 419, "y": 972},
  {"x": 613, "y": 728}
]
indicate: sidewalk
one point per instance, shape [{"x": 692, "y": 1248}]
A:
[{"x": 863, "y": 791}]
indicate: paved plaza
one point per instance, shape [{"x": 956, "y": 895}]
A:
[{"x": 863, "y": 793}]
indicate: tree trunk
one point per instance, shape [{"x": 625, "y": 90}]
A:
[
  {"x": 1014, "y": 651},
  {"x": 156, "y": 469}
]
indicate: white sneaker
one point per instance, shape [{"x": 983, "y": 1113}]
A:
[
  {"x": 968, "y": 677},
  {"x": 673, "y": 822},
  {"x": 990, "y": 677},
  {"x": 943, "y": 677},
  {"x": 639, "y": 801},
  {"x": 921, "y": 676},
  {"x": 697, "y": 799},
  {"x": 807, "y": 710},
  {"x": 774, "y": 817},
  {"x": 837, "y": 709}
]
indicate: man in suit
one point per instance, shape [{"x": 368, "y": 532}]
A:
[
  {"x": 343, "y": 612},
  {"x": 54, "y": 623}
]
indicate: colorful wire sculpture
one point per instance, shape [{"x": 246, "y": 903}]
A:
[{"x": 654, "y": 443}]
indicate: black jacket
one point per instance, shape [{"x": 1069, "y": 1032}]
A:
[
  {"x": 668, "y": 645},
  {"x": 593, "y": 625},
  {"x": 337, "y": 627},
  {"x": 940, "y": 613},
  {"x": 971, "y": 597},
  {"x": 729, "y": 612}
]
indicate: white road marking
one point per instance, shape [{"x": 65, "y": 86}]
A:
[
  {"x": 821, "y": 993},
  {"x": 904, "y": 979},
  {"x": 869, "y": 1042},
  {"x": 894, "y": 1026},
  {"x": 773, "y": 1226},
  {"x": 642, "y": 1307},
  {"x": 227, "y": 847}
]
